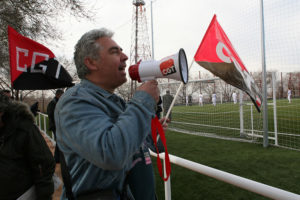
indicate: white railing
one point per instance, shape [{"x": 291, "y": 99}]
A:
[
  {"x": 247, "y": 184},
  {"x": 38, "y": 121}
]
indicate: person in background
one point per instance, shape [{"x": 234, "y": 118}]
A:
[
  {"x": 159, "y": 108},
  {"x": 190, "y": 100},
  {"x": 234, "y": 97},
  {"x": 35, "y": 108},
  {"x": 186, "y": 100},
  {"x": 289, "y": 95},
  {"x": 97, "y": 131},
  {"x": 50, "y": 112},
  {"x": 26, "y": 162},
  {"x": 200, "y": 99},
  {"x": 214, "y": 99},
  {"x": 167, "y": 101}
]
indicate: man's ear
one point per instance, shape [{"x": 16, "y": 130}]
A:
[{"x": 90, "y": 63}]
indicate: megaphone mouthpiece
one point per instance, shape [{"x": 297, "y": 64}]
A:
[{"x": 134, "y": 72}]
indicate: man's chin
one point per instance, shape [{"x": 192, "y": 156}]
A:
[{"x": 123, "y": 81}]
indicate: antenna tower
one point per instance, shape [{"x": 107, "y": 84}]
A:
[{"x": 140, "y": 45}]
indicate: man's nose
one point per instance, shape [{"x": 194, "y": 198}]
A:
[{"x": 124, "y": 57}]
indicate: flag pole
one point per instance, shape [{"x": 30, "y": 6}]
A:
[
  {"x": 152, "y": 34},
  {"x": 265, "y": 103},
  {"x": 176, "y": 95}
]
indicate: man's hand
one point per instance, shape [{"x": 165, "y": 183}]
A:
[
  {"x": 164, "y": 125},
  {"x": 151, "y": 88}
]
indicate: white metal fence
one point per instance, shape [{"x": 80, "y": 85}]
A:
[
  {"x": 42, "y": 121},
  {"x": 247, "y": 184}
]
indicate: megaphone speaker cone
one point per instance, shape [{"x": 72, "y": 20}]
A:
[
  {"x": 183, "y": 66},
  {"x": 172, "y": 67}
]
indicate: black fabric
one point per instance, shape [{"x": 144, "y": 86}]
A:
[
  {"x": 34, "y": 108},
  {"x": 50, "y": 112},
  {"x": 158, "y": 107},
  {"x": 44, "y": 80},
  {"x": 25, "y": 158},
  {"x": 57, "y": 154},
  {"x": 141, "y": 177},
  {"x": 66, "y": 177},
  {"x": 99, "y": 195}
]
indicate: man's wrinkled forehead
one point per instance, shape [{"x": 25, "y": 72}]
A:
[{"x": 108, "y": 44}]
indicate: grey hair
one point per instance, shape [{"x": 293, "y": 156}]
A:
[{"x": 88, "y": 47}]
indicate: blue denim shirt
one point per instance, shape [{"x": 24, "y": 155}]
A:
[{"x": 99, "y": 134}]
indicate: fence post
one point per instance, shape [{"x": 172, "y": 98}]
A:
[
  {"x": 45, "y": 128},
  {"x": 221, "y": 97},
  {"x": 241, "y": 115},
  {"x": 167, "y": 183},
  {"x": 252, "y": 128},
  {"x": 274, "y": 107},
  {"x": 265, "y": 96},
  {"x": 40, "y": 121}
]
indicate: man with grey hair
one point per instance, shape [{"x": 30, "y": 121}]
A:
[{"x": 97, "y": 131}]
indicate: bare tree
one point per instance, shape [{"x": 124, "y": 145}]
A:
[{"x": 34, "y": 19}]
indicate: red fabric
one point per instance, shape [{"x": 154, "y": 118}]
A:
[
  {"x": 33, "y": 66},
  {"x": 156, "y": 127},
  {"x": 216, "y": 54},
  {"x": 207, "y": 49},
  {"x": 17, "y": 40}
]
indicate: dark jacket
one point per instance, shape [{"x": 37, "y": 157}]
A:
[
  {"x": 141, "y": 178},
  {"x": 50, "y": 112},
  {"x": 35, "y": 108},
  {"x": 25, "y": 158}
]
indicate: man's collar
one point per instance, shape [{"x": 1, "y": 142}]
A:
[{"x": 101, "y": 91}]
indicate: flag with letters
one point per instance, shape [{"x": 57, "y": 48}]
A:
[
  {"x": 216, "y": 54},
  {"x": 33, "y": 66}
]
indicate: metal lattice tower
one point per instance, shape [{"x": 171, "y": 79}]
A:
[{"x": 140, "y": 45}]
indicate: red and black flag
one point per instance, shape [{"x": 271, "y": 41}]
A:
[
  {"x": 217, "y": 55},
  {"x": 33, "y": 66}
]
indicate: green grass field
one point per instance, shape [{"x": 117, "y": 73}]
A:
[
  {"x": 273, "y": 166},
  {"x": 224, "y": 120}
]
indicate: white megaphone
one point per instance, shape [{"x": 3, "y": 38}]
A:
[{"x": 173, "y": 67}]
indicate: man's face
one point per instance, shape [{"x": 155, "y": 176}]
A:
[{"x": 111, "y": 65}]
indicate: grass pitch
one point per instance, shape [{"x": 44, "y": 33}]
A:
[
  {"x": 224, "y": 120},
  {"x": 272, "y": 166}
]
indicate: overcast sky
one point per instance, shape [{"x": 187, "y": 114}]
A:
[{"x": 182, "y": 24}]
